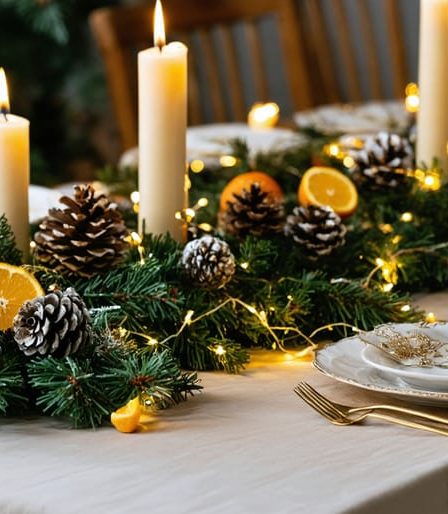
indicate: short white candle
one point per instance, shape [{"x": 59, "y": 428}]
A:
[
  {"x": 162, "y": 78},
  {"x": 263, "y": 116},
  {"x": 14, "y": 169},
  {"x": 432, "y": 135}
]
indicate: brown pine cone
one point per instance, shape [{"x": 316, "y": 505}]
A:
[
  {"x": 253, "y": 212},
  {"x": 85, "y": 238}
]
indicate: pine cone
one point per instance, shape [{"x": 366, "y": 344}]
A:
[
  {"x": 318, "y": 229},
  {"x": 85, "y": 238},
  {"x": 56, "y": 324},
  {"x": 253, "y": 213},
  {"x": 209, "y": 261},
  {"x": 383, "y": 161}
]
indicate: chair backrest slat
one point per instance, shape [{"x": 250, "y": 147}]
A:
[
  {"x": 256, "y": 59},
  {"x": 234, "y": 84},
  {"x": 370, "y": 50},
  {"x": 195, "y": 116},
  {"x": 212, "y": 73},
  {"x": 396, "y": 46},
  {"x": 322, "y": 55},
  {"x": 347, "y": 50}
]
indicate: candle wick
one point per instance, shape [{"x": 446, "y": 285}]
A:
[{"x": 4, "y": 112}]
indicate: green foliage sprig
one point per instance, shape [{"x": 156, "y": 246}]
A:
[{"x": 8, "y": 249}]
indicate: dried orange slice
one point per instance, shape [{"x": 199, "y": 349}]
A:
[
  {"x": 244, "y": 181},
  {"x": 321, "y": 185},
  {"x": 16, "y": 287},
  {"x": 126, "y": 419}
]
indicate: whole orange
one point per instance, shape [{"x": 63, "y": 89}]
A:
[{"x": 245, "y": 181}]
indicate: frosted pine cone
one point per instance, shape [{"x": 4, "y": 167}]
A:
[
  {"x": 319, "y": 230},
  {"x": 383, "y": 161},
  {"x": 56, "y": 324},
  {"x": 209, "y": 261}
]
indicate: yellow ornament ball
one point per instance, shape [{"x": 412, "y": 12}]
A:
[{"x": 245, "y": 181}]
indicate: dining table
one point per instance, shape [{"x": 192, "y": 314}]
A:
[{"x": 246, "y": 443}]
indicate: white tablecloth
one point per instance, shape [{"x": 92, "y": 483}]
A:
[{"x": 247, "y": 444}]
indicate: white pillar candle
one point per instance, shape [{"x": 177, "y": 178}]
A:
[
  {"x": 162, "y": 82},
  {"x": 432, "y": 135},
  {"x": 14, "y": 169}
]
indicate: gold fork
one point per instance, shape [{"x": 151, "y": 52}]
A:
[
  {"x": 349, "y": 411},
  {"x": 337, "y": 417}
]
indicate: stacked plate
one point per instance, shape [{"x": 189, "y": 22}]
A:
[
  {"x": 366, "y": 361},
  {"x": 210, "y": 142},
  {"x": 362, "y": 118}
]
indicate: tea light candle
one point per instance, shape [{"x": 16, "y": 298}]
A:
[{"x": 263, "y": 116}]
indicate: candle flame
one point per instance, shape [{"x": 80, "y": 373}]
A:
[
  {"x": 4, "y": 97},
  {"x": 159, "y": 26}
]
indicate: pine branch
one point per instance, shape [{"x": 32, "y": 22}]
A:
[
  {"x": 70, "y": 388},
  {"x": 151, "y": 375},
  {"x": 8, "y": 250}
]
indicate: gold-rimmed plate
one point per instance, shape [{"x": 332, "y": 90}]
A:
[{"x": 343, "y": 362}]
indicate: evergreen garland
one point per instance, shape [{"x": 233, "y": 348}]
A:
[{"x": 149, "y": 321}]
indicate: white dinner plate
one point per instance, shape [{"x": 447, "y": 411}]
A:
[
  {"x": 426, "y": 378},
  {"x": 364, "y": 118},
  {"x": 343, "y": 362},
  {"x": 40, "y": 200},
  {"x": 210, "y": 142}
]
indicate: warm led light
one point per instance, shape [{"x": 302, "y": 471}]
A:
[
  {"x": 386, "y": 228},
  {"x": 197, "y": 166},
  {"x": 348, "y": 161},
  {"x": 190, "y": 213},
  {"x": 407, "y": 217},
  {"x": 178, "y": 215},
  {"x": 202, "y": 202},
  {"x": 227, "y": 161},
  {"x": 4, "y": 97},
  {"x": 159, "y": 26},
  {"x": 333, "y": 150},
  {"x": 379, "y": 261},
  {"x": 406, "y": 308},
  {"x": 33, "y": 245},
  {"x": 263, "y": 116},
  {"x": 387, "y": 288},
  {"x": 244, "y": 265},
  {"x": 135, "y": 197},
  {"x": 396, "y": 239},
  {"x": 134, "y": 239},
  {"x": 220, "y": 350},
  {"x": 412, "y": 102},
  {"x": 205, "y": 227},
  {"x": 188, "y": 317},
  {"x": 152, "y": 341},
  {"x": 430, "y": 317},
  {"x": 429, "y": 181}
]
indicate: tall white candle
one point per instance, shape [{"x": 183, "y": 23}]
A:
[
  {"x": 162, "y": 82},
  {"x": 14, "y": 169},
  {"x": 432, "y": 135}
]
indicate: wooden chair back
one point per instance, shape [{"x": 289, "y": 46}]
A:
[
  {"x": 209, "y": 28},
  {"x": 348, "y": 54}
]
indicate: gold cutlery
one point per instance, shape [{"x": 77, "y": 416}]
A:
[{"x": 343, "y": 415}]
